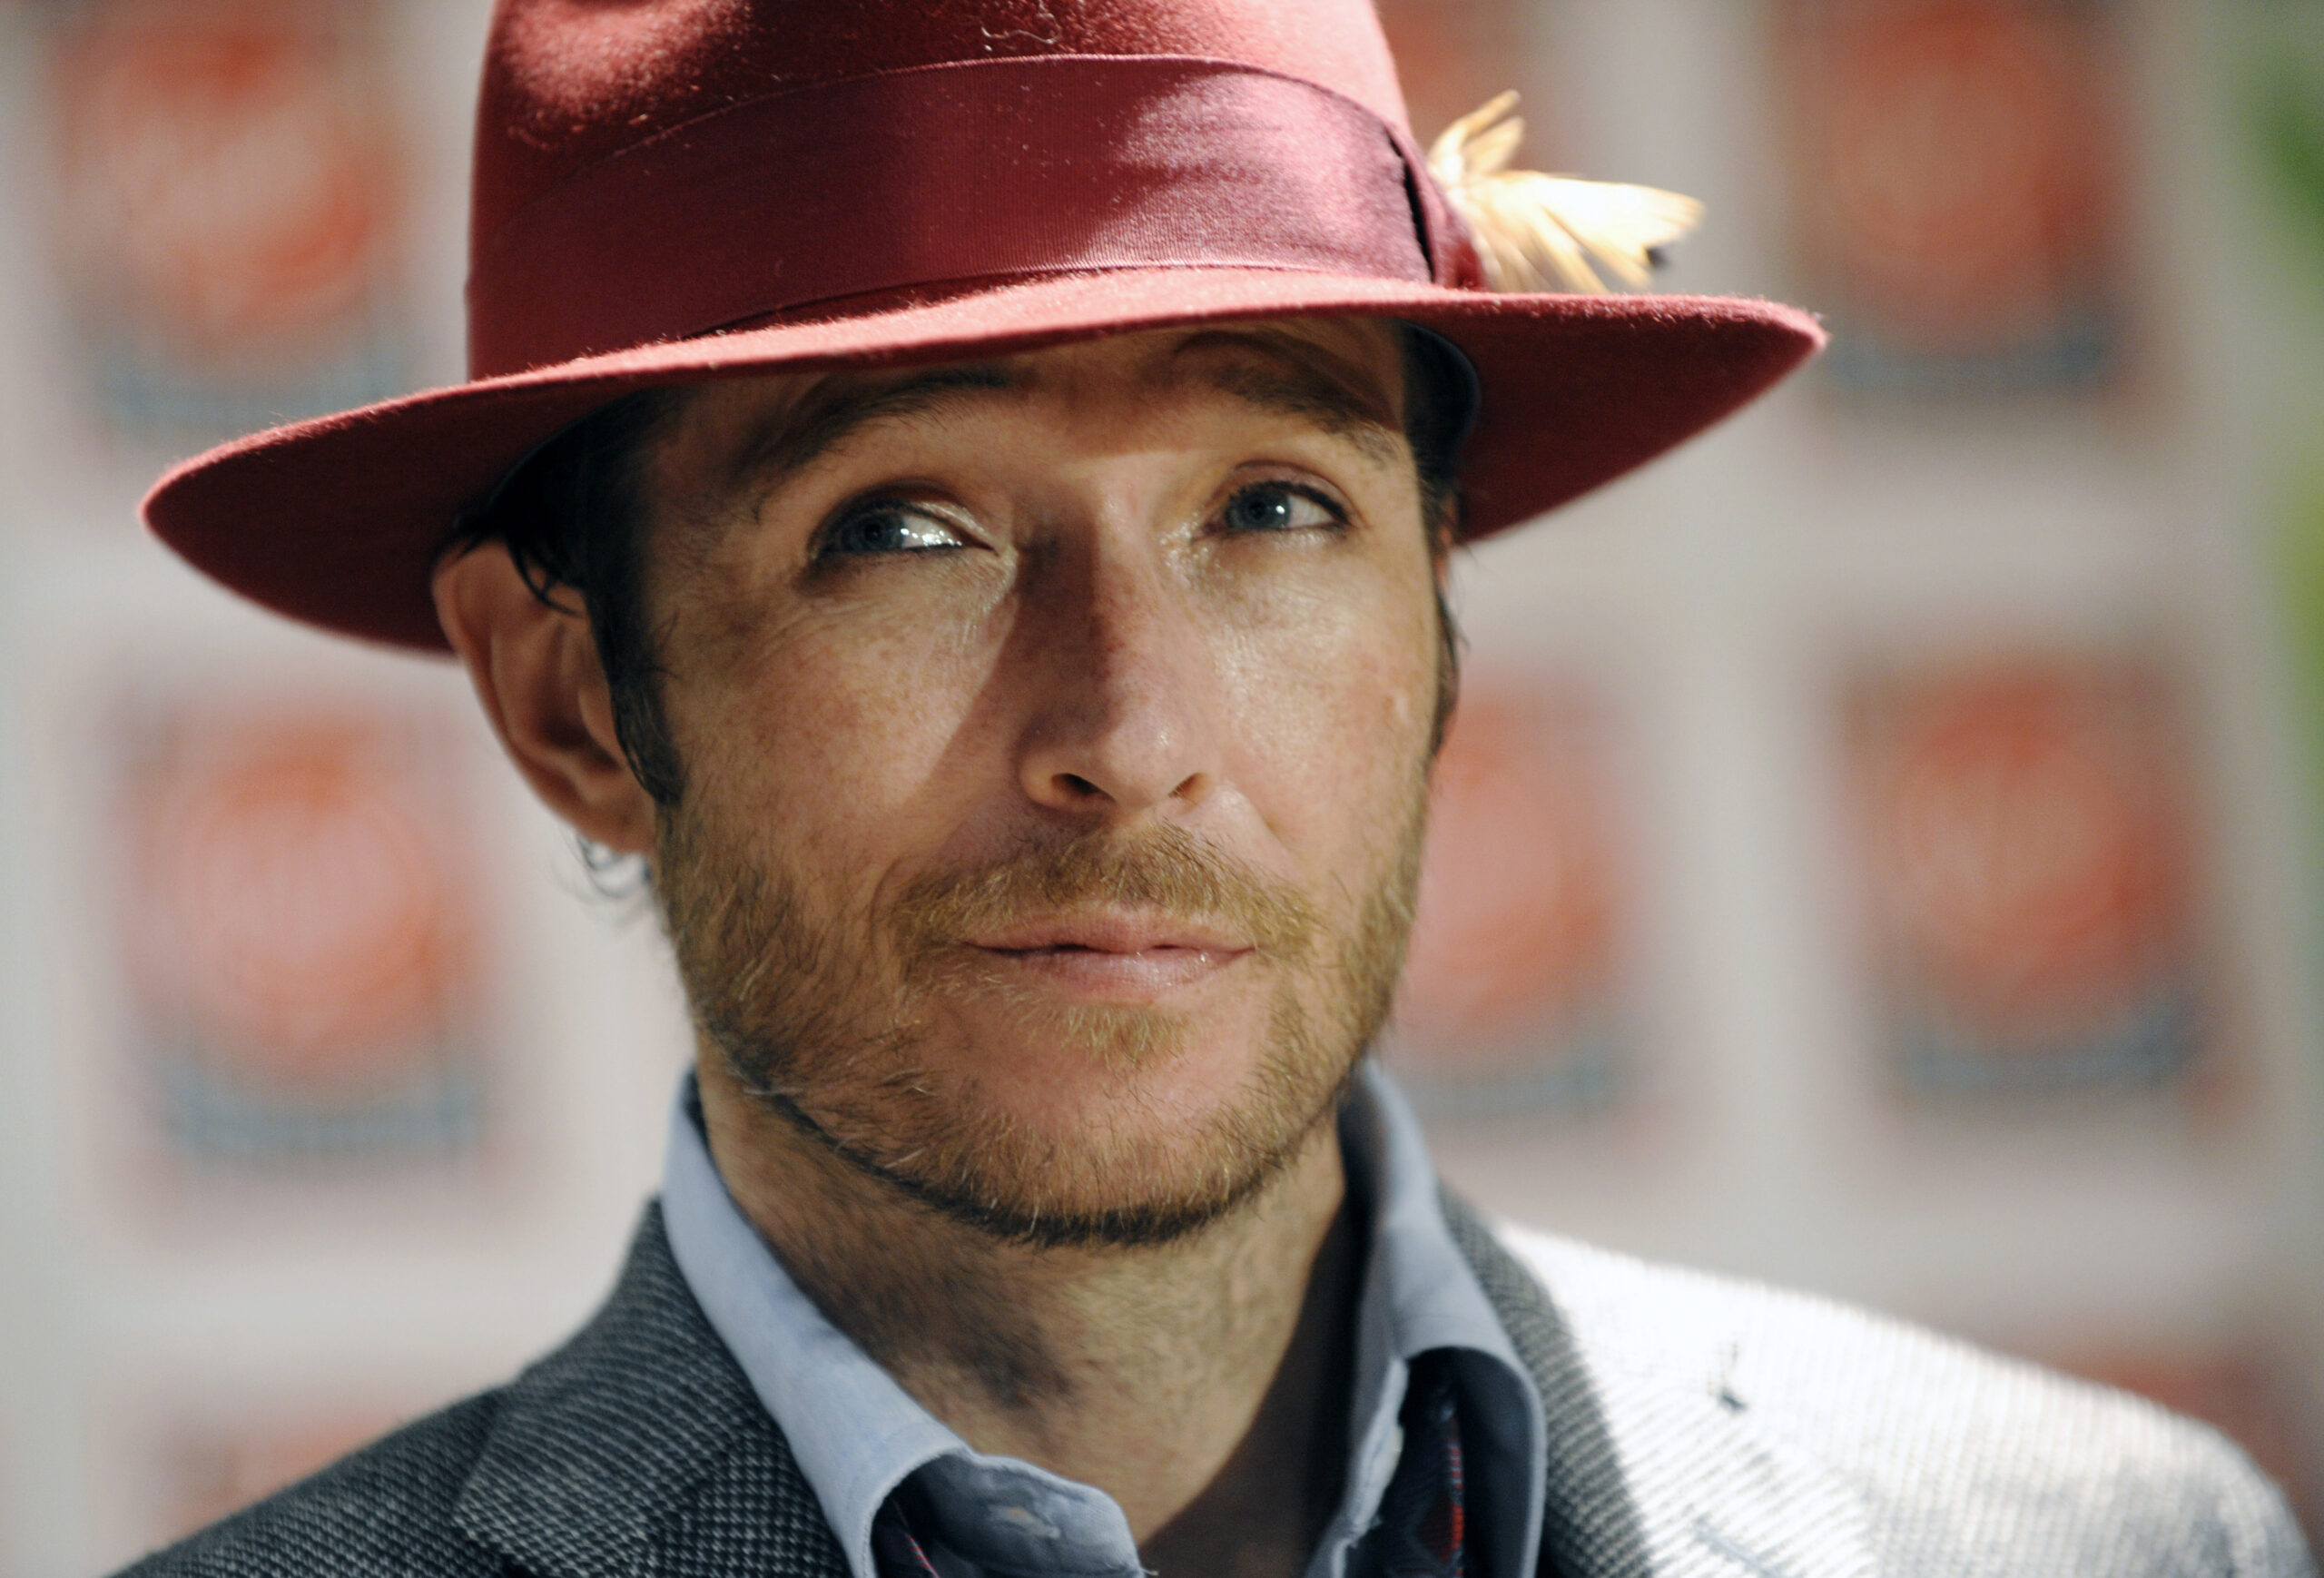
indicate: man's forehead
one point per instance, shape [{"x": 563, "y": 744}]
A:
[
  {"x": 1342, "y": 375},
  {"x": 1361, "y": 351}
]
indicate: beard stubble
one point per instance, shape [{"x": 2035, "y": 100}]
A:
[{"x": 825, "y": 1020}]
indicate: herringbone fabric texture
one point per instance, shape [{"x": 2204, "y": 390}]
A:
[
  {"x": 1771, "y": 1434},
  {"x": 1588, "y": 1525},
  {"x": 1695, "y": 1427}
]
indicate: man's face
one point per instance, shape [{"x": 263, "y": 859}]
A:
[{"x": 1054, "y": 733}]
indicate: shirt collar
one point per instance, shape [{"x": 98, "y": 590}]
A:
[
  {"x": 857, "y": 1435},
  {"x": 1420, "y": 1294}
]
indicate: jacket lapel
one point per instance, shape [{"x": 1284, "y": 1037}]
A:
[
  {"x": 640, "y": 1448},
  {"x": 1657, "y": 1466}
]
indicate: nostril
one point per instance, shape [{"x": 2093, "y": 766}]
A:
[{"x": 1076, "y": 784}]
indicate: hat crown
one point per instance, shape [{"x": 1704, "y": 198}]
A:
[
  {"x": 672, "y": 191},
  {"x": 569, "y": 84}
]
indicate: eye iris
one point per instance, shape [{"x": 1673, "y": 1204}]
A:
[
  {"x": 879, "y": 531},
  {"x": 1260, "y": 509}
]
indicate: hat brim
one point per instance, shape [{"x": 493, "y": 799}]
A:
[{"x": 337, "y": 521}]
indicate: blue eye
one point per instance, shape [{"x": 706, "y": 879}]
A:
[
  {"x": 891, "y": 528},
  {"x": 1275, "y": 507}
]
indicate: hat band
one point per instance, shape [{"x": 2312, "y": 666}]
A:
[{"x": 968, "y": 171}]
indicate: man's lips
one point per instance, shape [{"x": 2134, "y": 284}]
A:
[
  {"x": 1125, "y": 934},
  {"x": 1123, "y": 957}
]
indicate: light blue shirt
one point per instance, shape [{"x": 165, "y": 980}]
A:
[{"x": 858, "y": 1435}]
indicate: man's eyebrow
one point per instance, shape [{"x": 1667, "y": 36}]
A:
[
  {"x": 796, "y": 439},
  {"x": 1296, "y": 379}
]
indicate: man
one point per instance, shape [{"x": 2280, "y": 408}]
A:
[{"x": 963, "y": 492}]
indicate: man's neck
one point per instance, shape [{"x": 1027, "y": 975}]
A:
[{"x": 1202, "y": 1384}]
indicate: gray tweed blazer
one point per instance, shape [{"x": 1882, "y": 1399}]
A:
[{"x": 1696, "y": 1426}]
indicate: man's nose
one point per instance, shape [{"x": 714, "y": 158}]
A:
[{"x": 1124, "y": 719}]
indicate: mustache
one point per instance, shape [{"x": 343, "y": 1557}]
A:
[{"x": 1166, "y": 871}]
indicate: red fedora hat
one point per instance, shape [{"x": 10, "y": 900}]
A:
[{"x": 672, "y": 191}]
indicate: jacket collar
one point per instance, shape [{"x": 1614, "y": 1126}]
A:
[
  {"x": 640, "y": 1447},
  {"x": 1657, "y": 1465}
]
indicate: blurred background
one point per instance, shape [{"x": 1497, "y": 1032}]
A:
[{"x": 1879, "y": 851}]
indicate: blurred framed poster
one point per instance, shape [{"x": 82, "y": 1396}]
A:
[
  {"x": 227, "y": 197},
  {"x": 1513, "y": 995},
  {"x": 1454, "y": 56},
  {"x": 297, "y": 930},
  {"x": 1957, "y": 172},
  {"x": 2028, "y": 845}
]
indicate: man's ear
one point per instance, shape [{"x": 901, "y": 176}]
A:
[{"x": 535, "y": 667}]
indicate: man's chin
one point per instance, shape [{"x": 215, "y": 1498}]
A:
[
  {"x": 1096, "y": 1044},
  {"x": 1073, "y": 1164},
  {"x": 1107, "y": 1218},
  {"x": 1063, "y": 1066}
]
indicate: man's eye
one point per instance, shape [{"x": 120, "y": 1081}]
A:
[
  {"x": 891, "y": 528},
  {"x": 1266, "y": 507}
]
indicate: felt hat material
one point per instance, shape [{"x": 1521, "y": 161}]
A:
[{"x": 672, "y": 191}]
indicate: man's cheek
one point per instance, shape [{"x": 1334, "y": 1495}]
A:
[
  {"x": 865, "y": 766},
  {"x": 1382, "y": 701},
  {"x": 1329, "y": 768}
]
